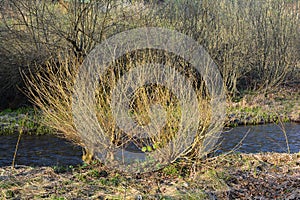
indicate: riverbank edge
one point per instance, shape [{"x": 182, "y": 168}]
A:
[
  {"x": 231, "y": 176},
  {"x": 31, "y": 123}
]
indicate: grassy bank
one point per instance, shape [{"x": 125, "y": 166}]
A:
[
  {"x": 280, "y": 105},
  {"x": 27, "y": 119},
  {"x": 271, "y": 176}
]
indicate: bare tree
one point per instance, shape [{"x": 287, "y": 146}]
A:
[{"x": 34, "y": 32}]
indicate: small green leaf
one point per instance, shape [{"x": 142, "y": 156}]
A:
[
  {"x": 144, "y": 149},
  {"x": 149, "y": 148}
]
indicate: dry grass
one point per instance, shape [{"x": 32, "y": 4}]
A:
[{"x": 225, "y": 177}]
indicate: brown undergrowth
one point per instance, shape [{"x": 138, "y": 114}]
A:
[{"x": 234, "y": 176}]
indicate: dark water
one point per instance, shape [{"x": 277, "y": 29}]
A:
[
  {"x": 45, "y": 150},
  {"x": 262, "y": 138},
  {"x": 52, "y": 151}
]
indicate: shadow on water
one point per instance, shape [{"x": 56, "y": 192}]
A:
[{"x": 48, "y": 150}]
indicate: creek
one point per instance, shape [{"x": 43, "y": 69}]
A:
[{"x": 49, "y": 150}]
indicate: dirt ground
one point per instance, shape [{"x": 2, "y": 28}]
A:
[{"x": 232, "y": 176}]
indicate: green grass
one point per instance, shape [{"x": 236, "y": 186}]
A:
[
  {"x": 31, "y": 120},
  {"x": 255, "y": 108}
]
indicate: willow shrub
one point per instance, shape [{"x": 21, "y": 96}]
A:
[{"x": 51, "y": 90}]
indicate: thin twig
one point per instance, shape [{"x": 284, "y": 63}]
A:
[
  {"x": 282, "y": 127},
  {"x": 18, "y": 141}
]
